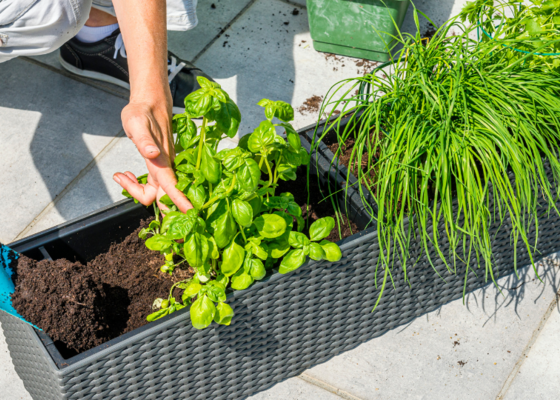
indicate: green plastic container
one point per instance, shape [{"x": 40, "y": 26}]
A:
[{"x": 346, "y": 27}]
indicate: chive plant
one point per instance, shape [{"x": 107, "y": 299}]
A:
[{"x": 452, "y": 139}]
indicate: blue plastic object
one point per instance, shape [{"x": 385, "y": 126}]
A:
[{"x": 7, "y": 256}]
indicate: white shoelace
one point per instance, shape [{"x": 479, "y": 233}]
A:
[{"x": 172, "y": 67}]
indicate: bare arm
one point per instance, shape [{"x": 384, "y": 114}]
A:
[{"x": 147, "y": 118}]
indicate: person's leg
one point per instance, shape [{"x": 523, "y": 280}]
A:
[
  {"x": 98, "y": 51},
  {"x": 35, "y": 27}
]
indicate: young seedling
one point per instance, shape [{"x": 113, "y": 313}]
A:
[{"x": 240, "y": 226}]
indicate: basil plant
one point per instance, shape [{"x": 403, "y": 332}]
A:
[{"x": 239, "y": 226}]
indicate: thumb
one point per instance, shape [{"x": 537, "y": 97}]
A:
[{"x": 139, "y": 130}]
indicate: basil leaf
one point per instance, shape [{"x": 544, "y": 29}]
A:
[
  {"x": 249, "y": 175},
  {"x": 292, "y": 136},
  {"x": 197, "y": 196},
  {"x": 242, "y": 212},
  {"x": 262, "y": 137},
  {"x": 321, "y": 228},
  {"x": 316, "y": 252},
  {"x": 283, "y": 111},
  {"x": 278, "y": 248},
  {"x": 192, "y": 290},
  {"x": 232, "y": 259},
  {"x": 270, "y": 226},
  {"x": 158, "y": 243},
  {"x": 292, "y": 261},
  {"x": 157, "y": 315},
  {"x": 228, "y": 118},
  {"x": 298, "y": 240},
  {"x": 224, "y": 314},
  {"x": 196, "y": 249},
  {"x": 257, "y": 270},
  {"x": 224, "y": 229},
  {"x": 211, "y": 168},
  {"x": 241, "y": 280},
  {"x": 202, "y": 312},
  {"x": 332, "y": 251}
]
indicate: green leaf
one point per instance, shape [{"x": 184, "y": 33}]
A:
[
  {"x": 270, "y": 226},
  {"x": 258, "y": 249},
  {"x": 196, "y": 249},
  {"x": 292, "y": 136},
  {"x": 241, "y": 280},
  {"x": 286, "y": 172},
  {"x": 262, "y": 137},
  {"x": 316, "y": 252},
  {"x": 224, "y": 229},
  {"x": 256, "y": 269},
  {"x": 143, "y": 234},
  {"x": 215, "y": 291},
  {"x": 332, "y": 251},
  {"x": 242, "y": 212},
  {"x": 202, "y": 312},
  {"x": 298, "y": 240},
  {"x": 213, "y": 250},
  {"x": 197, "y": 196},
  {"x": 224, "y": 314},
  {"x": 228, "y": 118},
  {"x": 249, "y": 175},
  {"x": 198, "y": 103},
  {"x": 278, "y": 248},
  {"x": 224, "y": 280},
  {"x": 233, "y": 257},
  {"x": 158, "y": 243},
  {"x": 256, "y": 205},
  {"x": 211, "y": 168},
  {"x": 166, "y": 200},
  {"x": 284, "y": 111},
  {"x": 157, "y": 315},
  {"x": 292, "y": 261},
  {"x": 192, "y": 290},
  {"x": 321, "y": 228}
]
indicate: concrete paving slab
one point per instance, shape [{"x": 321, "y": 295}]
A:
[
  {"x": 538, "y": 377},
  {"x": 458, "y": 351},
  {"x": 267, "y": 53},
  {"x": 294, "y": 389},
  {"x": 96, "y": 189},
  {"x": 52, "y": 127}
]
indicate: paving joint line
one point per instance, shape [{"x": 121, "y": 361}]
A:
[
  {"x": 329, "y": 388},
  {"x": 223, "y": 30},
  {"x": 105, "y": 87},
  {"x": 71, "y": 185},
  {"x": 525, "y": 354}
]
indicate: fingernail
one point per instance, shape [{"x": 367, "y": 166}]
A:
[
  {"x": 116, "y": 179},
  {"x": 151, "y": 149}
]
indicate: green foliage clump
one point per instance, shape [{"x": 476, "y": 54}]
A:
[
  {"x": 239, "y": 227},
  {"x": 522, "y": 27},
  {"x": 457, "y": 135}
]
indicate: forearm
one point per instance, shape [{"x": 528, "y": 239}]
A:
[{"x": 143, "y": 26}]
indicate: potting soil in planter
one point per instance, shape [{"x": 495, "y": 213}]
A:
[{"x": 82, "y": 306}]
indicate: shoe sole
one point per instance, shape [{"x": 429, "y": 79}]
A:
[{"x": 102, "y": 77}]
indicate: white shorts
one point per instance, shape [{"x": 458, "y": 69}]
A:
[{"x": 34, "y": 27}]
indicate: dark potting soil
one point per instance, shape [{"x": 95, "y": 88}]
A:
[
  {"x": 319, "y": 206},
  {"x": 82, "y": 306}
]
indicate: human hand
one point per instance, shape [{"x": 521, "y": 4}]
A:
[{"x": 149, "y": 128}]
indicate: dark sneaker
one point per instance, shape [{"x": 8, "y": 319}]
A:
[{"x": 106, "y": 61}]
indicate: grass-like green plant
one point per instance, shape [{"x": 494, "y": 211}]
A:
[
  {"x": 239, "y": 226},
  {"x": 445, "y": 127},
  {"x": 531, "y": 27}
]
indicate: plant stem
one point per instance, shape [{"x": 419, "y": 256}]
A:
[
  {"x": 212, "y": 200},
  {"x": 242, "y": 233},
  {"x": 269, "y": 170},
  {"x": 201, "y": 142}
]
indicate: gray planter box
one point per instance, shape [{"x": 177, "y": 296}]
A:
[{"x": 283, "y": 324}]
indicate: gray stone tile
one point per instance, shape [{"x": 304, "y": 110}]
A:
[
  {"x": 459, "y": 351},
  {"x": 538, "y": 377},
  {"x": 12, "y": 386},
  {"x": 294, "y": 389},
  {"x": 211, "y": 21},
  {"x": 52, "y": 127},
  {"x": 96, "y": 189},
  {"x": 438, "y": 11},
  {"x": 265, "y": 58}
]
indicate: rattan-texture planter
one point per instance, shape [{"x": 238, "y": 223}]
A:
[{"x": 283, "y": 325}]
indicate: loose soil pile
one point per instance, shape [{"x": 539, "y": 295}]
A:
[{"x": 82, "y": 306}]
